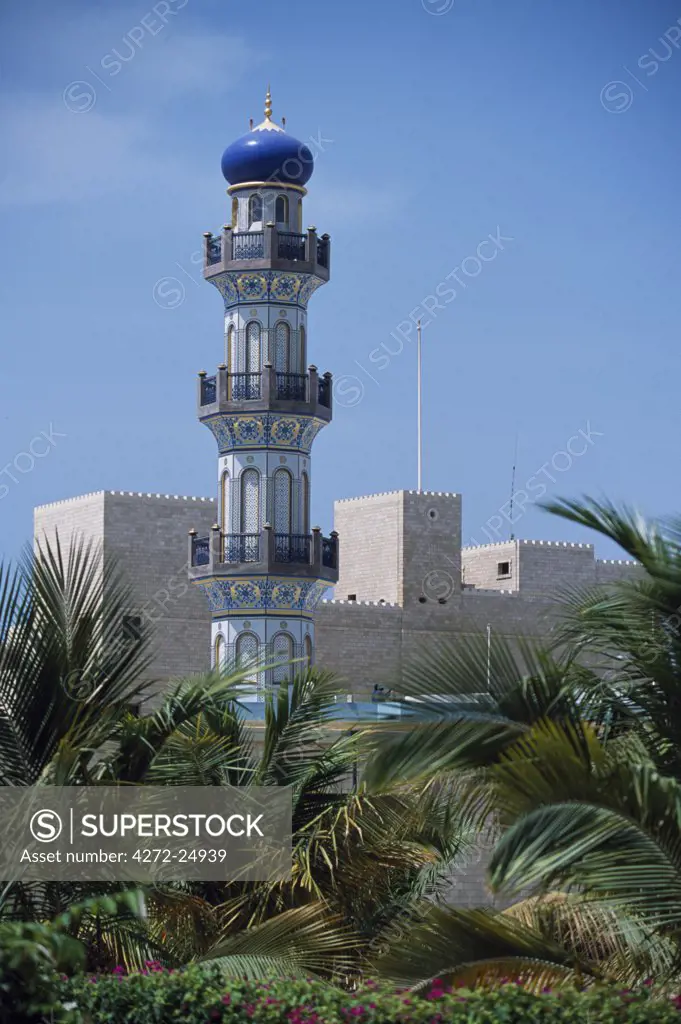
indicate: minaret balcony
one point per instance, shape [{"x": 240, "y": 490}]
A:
[
  {"x": 269, "y": 249},
  {"x": 306, "y": 394},
  {"x": 308, "y": 555}
]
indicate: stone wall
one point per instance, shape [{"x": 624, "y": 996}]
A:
[
  {"x": 146, "y": 536},
  {"x": 371, "y": 553},
  {"x": 400, "y": 556}
]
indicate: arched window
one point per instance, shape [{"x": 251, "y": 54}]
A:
[
  {"x": 282, "y": 501},
  {"x": 250, "y": 501},
  {"x": 247, "y": 649},
  {"x": 303, "y": 349},
  {"x": 229, "y": 348},
  {"x": 252, "y": 348},
  {"x": 299, "y": 216},
  {"x": 308, "y": 650},
  {"x": 282, "y": 347},
  {"x": 282, "y": 211},
  {"x": 219, "y": 652},
  {"x": 235, "y": 212},
  {"x": 282, "y": 653},
  {"x": 306, "y": 503},
  {"x": 224, "y": 499},
  {"x": 254, "y": 210}
]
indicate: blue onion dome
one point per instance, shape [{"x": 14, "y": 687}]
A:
[{"x": 267, "y": 153}]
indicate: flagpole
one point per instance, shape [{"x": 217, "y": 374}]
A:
[{"x": 419, "y": 406}]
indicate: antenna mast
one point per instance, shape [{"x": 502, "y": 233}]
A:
[
  {"x": 510, "y": 504},
  {"x": 419, "y": 415}
]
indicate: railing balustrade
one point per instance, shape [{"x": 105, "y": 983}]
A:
[
  {"x": 292, "y": 387},
  {"x": 244, "y": 387},
  {"x": 293, "y": 547},
  {"x": 200, "y": 550},
  {"x": 323, "y": 252},
  {"x": 208, "y": 390},
  {"x": 330, "y": 552},
  {"x": 248, "y": 245},
  {"x": 291, "y": 246},
  {"x": 214, "y": 249},
  {"x": 325, "y": 392},
  {"x": 241, "y": 547}
]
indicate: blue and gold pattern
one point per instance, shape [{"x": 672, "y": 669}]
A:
[
  {"x": 262, "y": 593},
  {"x": 263, "y": 430},
  {"x": 266, "y": 285}
]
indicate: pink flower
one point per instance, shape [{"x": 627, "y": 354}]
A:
[{"x": 226, "y": 999}]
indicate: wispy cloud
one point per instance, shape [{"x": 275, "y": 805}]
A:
[{"x": 93, "y": 137}]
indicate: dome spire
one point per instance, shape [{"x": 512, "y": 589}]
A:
[{"x": 268, "y": 104}]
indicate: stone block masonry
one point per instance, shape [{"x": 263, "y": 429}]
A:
[
  {"x": 400, "y": 588},
  {"x": 146, "y": 536}
]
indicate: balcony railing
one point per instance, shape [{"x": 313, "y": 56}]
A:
[
  {"x": 258, "y": 245},
  {"x": 291, "y": 246},
  {"x": 214, "y": 249},
  {"x": 243, "y": 387},
  {"x": 248, "y": 245},
  {"x": 292, "y": 387},
  {"x": 330, "y": 552},
  {"x": 208, "y": 390},
  {"x": 325, "y": 392},
  {"x": 200, "y": 550},
  {"x": 249, "y": 387},
  {"x": 293, "y": 547},
  {"x": 323, "y": 252},
  {"x": 267, "y": 546},
  {"x": 241, "y": 547}
]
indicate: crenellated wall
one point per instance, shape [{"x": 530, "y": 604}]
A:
[{"x": 400, "y": 557}]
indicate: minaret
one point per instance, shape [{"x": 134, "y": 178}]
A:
[{"x": 263, "y": 568}]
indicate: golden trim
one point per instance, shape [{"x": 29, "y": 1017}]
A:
[{"x": 267, "y": 184}]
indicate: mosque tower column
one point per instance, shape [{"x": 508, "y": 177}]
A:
[{"x": 264, "y": 568}]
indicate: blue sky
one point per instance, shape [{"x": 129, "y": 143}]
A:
[{"x": 438, "y": 124}]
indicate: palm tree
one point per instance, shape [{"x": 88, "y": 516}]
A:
[
  {"x": 574, "y": 756},
  {"x": 68, "y": 679}
]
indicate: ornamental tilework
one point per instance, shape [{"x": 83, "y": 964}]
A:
[
  {"x": 225, "y": 286},
  {"x": 266, "y": 285},
  {"x": 262, "y": 594},
  {"x": 263, "y": 430},
  {"x": 309, "y": 287}
]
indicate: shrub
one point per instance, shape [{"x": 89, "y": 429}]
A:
[
  {"x": 31, "y": 956},
  {"x": 201, "y": 995}
]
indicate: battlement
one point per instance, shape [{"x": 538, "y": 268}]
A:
[
  {"x": 169, "y": 497},
  {"x": 69, "y": 501},
  {"x": 515, "y": 540},
  {"x": 387, "y": 494},
  {"x": 618, "y": 561},
  {"x": 470, "y": 588},
  {"x": 123, "y": 494}
]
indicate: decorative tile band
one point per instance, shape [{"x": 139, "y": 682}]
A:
[
  {"x": 263, "y": 430},
  {"x": 266, "y": 286},
  {"x": 262, "y": 593}
]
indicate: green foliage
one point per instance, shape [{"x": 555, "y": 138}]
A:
[
  {"x": 31, "y": 955},
  {"x": 199, "y": 995}
]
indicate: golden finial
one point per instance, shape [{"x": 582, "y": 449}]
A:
[{"x": 268, "y": 104}]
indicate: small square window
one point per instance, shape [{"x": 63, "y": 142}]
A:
[
  {"x": 503, "y": 570},
  {"x": 352, "y": 597}
]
